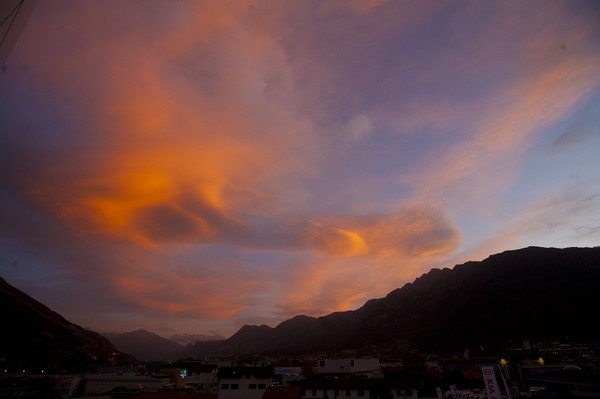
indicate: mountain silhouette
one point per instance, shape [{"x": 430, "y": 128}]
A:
[
  {"x": 145, "y": 345},
  {"x": 531, "y": 293},
  {"x": 34, "y": 337},
  {"x": 187, "y": 339}
]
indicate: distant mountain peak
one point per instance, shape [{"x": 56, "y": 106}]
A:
[{"x": 146, "y": 345}]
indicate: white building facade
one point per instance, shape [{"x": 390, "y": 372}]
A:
[{"x": 244, "y": 382}]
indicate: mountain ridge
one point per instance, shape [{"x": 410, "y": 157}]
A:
[
  {"x": 534, "y": 292},
  {"x": 145, "y": 345},
  {"x": 449, "y": 309},
  {"x": 34, "y": 336}
]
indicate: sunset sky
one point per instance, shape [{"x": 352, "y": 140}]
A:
[{"x": 194, "y": 166}]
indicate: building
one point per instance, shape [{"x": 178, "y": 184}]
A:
[
  {"x": 66, "y": 386},
  {"x": 368, "y": 367},
  {"x": 358, "y": 388},
  {"x": 203, "y": 376},
  {"x": 282, "y": 392},
  {"x": 98, "y": 384},
  {"x": 287, "y": 376},
  {"x": 338, "y": 388},
  {"x": 243, "y": 382}
]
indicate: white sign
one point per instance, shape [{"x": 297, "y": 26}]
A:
[{"x": 491, "y": 385}]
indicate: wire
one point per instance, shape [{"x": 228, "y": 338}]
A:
[{"x": 14, "y": 11}]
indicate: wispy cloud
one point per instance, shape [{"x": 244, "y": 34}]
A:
[{"x": 579, "y": 131}]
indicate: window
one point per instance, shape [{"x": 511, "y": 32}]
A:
[
  {"x": 361, "y": 392},
  {"x": 262, "y": 386},
  {"x": 336, "y": 393},
  {"x": 252, "y": 386},
  {"x": 347, "y": 392},
  {"x": 224, "y": 386},
  {"x": 322, "y": 363},
  {"x": 314, "y": 393},
  {"x": 235, "y": 386},
  {"x": 352, "y": 362}
]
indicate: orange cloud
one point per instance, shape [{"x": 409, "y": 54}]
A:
[
  {"x": 417, "y": 231},
  {"x": 318, "y": 287},
  {"x": 393, "y": 248},
  {"x": 170, "y": 143},
  {"x": 335, "y": 241},
  {"x": 191, "y": 290}
]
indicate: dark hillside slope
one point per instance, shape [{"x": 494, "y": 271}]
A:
[{"x": 33, "y": 336}]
